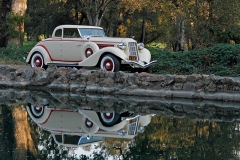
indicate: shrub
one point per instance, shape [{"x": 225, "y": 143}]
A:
[
  {"x": 13, "y": 54},
  {"x": 222, "y": 60}
]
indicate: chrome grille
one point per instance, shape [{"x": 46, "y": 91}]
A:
[
  {"x": 133, "y": 50},
  {"x": 133, "y": 126}
]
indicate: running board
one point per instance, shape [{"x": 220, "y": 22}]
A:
[{"x": 64, "y": 64}]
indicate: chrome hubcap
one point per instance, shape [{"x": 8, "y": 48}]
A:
[
  {"x": 37, "y": 62},
  {"x": 89, "y": 53},
  {"x": 108, "y": 65},
  {"x": 89, "y": 123}
]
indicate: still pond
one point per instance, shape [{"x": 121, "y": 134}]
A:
[{"x": 36, "y": 125}]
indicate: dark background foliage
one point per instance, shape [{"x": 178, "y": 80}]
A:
[{"x": 221, "y": 59}]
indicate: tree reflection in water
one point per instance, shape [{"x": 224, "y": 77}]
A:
[
  {"x": 171, "y": 134},
  {"x": 165, "y": 138},
  {"x": 172, "y": 138}
]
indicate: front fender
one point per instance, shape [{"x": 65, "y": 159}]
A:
[
  {"x": 92, "y": 116},
  {"x": 145, "y": 120},
  {"x": 94, "y": 58},
  {"x": 145, "y": 55},
  {"x": 43, "y": 51}
]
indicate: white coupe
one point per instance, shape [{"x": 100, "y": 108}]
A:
[{"x": 79, "y": 45}]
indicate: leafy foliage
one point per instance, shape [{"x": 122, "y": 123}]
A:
[
  {"x": 16, "y": 21},
  {"x": 221, "y": 59},
  {"x": 14, "y": 53},
  {"x": 202, "y": 23}
]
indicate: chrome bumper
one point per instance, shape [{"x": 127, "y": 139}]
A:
[{"x": 139, "y": 64}]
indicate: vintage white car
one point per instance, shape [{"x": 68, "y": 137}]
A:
[
  {"x": 85, "y": 125},
  {"x": 79, "y": 45}
]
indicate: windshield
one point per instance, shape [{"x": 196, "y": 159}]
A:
[{"x": 92, "y": 32}]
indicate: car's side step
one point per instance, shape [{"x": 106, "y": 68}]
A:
[{"x": 63, "y": 64}]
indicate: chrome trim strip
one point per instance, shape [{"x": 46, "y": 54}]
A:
[{"x": 140, "y": 64}]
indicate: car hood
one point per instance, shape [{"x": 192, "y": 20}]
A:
[{"x": 112, "y": 40}]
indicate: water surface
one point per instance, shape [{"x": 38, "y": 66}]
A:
[{"x": 43, "y": 125}]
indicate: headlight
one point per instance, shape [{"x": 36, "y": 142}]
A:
[
  {"x": 141, "y": 130},
  {"x": 140, "y": 46},
  {"x": 122, "y": 132},
  {"x": 122, "y": 45}
]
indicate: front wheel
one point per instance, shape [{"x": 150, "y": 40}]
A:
[
  {"x": 140, "y": 70},
  {"x": 38, "y": 61},
  {"x": 110, "y": 63},
  {"x": 109, "y": 118},
  {"x": 148, "y": 69}
]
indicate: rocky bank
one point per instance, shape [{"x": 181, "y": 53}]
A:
[{"x": 195, "y": 86}]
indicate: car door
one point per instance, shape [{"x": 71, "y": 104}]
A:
[
  {"x": 54, "y": 46},
  {"x": 71, "y": 45}
]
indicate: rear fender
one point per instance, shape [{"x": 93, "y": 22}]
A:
[
  {"x": 43, "y": 51},
  {"x": 43, "y": 118}
]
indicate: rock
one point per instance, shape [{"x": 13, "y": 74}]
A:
[
  {"x": 189, "y": 86},
  {"x": 42, "y": 78},
  {"x": 178, "y": 86},
  {"x": 180, "y": 78},
  {"x": 194, "y": 86},
  {"x": 194, "y": 77}
]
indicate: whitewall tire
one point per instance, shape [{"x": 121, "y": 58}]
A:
[
  {"x": 38, "y": 61},
  {"x": 110, "y": 63}
]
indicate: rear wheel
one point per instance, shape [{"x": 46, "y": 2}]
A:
[
  {"x": 38, "y": 61},
  {"x": 110, "y": 63},
  {"x": 37, "y": 111}
]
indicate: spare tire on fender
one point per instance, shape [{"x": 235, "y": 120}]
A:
[{"x": 90, "y": 48}]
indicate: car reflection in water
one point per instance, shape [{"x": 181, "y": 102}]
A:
[{"x": 73, "y": 128}]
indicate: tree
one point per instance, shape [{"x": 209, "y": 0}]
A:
[
  {"x": 12, "y": 21},
  {"x": 94, "y": 10},
  {"x": 177, "y": 23},
  {"x": 5, "y": 7},
  {"x": 18, "y": 8}
]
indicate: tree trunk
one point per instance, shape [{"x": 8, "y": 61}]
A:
[
  {"x": 182, "y": 40},
  {"x": 179, "y": 44},
  {"x": 5, "y": 7},
  {"x": 22, "y": 133},
  {"x": 143, "y": 30},
  {"x": 18, "y": 7},
  {"x": 94, "y": 10}
]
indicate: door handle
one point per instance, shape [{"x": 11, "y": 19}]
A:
[{"x": 78, "y": 44}]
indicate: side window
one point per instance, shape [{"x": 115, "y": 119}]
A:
[
  {"x": 71, "y": 139},
  {"x": 58, "y": 33},
  {"x": 70, "y": 33},
  {"x": 58, "y": 138}
]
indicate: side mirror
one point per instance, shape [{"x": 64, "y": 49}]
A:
[{"x": 132, "y": 37}]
